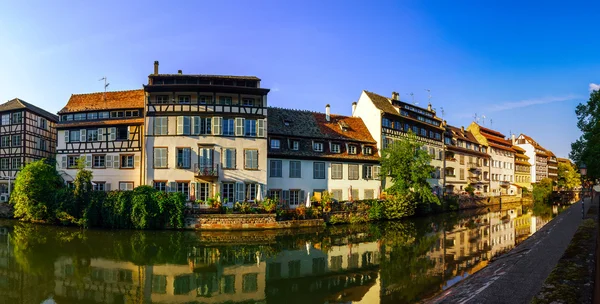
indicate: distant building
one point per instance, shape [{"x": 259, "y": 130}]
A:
[
  {"x": 467, "y": 162},
  {"x": 522, "y": 168},
  {"x": 538, "y": 157},
  {"x": 27, "y": 133},
  {"x": 390, "y": 119},
  {"x": 206, "y": 134},
  {"x": 552, "y": 166},
  {"x": 106, "y": 131},
  {"x": 502, "y": 158},
  {"x": 314, "y": 152}
]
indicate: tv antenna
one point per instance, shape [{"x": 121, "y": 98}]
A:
[
  {"x": 412, "y": 95},
  {"x": 442, "y": 108},
  {"x": 483, "y": 119},
  {"x": 106, "y": 84},
  {"x": 491, "y": 123},
  {"x": 475, "y": 118},
  {"x": 428, "y": 95}
]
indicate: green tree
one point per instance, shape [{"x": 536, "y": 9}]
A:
[
  {"x": 407, "y": 165},
  {"x": 568, "y": 177},
  {"x": 34, "y": 195},
  {"x": 542, "y": 191},
  {"x": 470, "y": 189},
  {"x": 586, "y": 149},
  {"x": 83, "y": 187}
]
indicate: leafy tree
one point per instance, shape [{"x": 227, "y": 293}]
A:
[
  {"x": 470, "y": 189},
  {"x": 83, "y": 187},
  {"x": 407, "y": 165},
  {"x": 542, "y": 190},
  {"x": 568, "y": 177},
  {"x": 586, "y": 149},
  {"x": 34, "y": 194}
]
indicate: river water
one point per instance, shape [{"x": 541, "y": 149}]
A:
[{"x": 392, "y": 262}]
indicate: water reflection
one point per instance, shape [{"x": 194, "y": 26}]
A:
[{"x": 394, "y": 262}]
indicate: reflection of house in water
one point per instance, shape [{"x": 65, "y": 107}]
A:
[
  {"x": 537, "y": 222},
  {"x": 502, "y": 231},
  {"x": 522, "y": 227},
  {"x": 336, "y": 273}
]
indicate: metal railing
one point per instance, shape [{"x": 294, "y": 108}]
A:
[{"x": 206, "y": 170}]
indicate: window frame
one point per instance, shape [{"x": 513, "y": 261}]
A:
[
  {"x": 324, "y": 171},
  {"x": 128, "y": 156},
  {"x": 166, "y": 158},
  {"x": 341, "y": 171}
]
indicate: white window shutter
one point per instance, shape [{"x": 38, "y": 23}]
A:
[
  {"x": 179, "y": 125},
  {"x": 82, "y": 135},
  {"x": 112, "y": 134},
  {"x": 233, "y": 158},
  {"x": 217, "y": 125},
  {"x": 63, "y": 162},
  {"x": 107, "y": 187},
  {"x": 239, "y": 126},
  {"x": 108, "y": 161},
  {"x": 100, "y": 134},
  {"x": 260, "y": 127},
  {"x": 376, "y": 172},
  {"x": 241, "y": 193},
  {"x": 88, "y": 161},
  {"x": 172, "y": 187},
  {"x": 129, "y": 131},
  {"x": 195, "y": 125},
  {"x": 136, "y": 161},
  {"x": 116, "y": 159},
  {"x": 66, "y": 136},
  {"x": 286, "y": 196},
  {"x": 195, "y": 184}
]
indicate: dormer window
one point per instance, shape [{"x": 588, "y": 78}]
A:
[
  {"x": 367, "y": 150},
  {"x": 318, "y": 146},
  {"x": 295, "y": 145},
  {"x": 287, "y": 123},
  {"x": 335, "y": 148},
  {"x": 184, "y": 99},
  {"x": 352, "y": 149},
  {"x": 343, "y": 125},
  {"x": 162, "y": 99},
  {"x": 275, "y": 144},
  {"x": 204, "y": 99}
]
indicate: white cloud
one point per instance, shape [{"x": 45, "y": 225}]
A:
[
  {"x": 530, "y": 102},
  {"x": 594, "y": 87}
]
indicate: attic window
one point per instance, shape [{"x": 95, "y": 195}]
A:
[
  {"x": 367, "y": 150},
  {"x": 343, "y": 125},
  {"x": 287, "y": 122},
  {"x": 352, "y": 149}
]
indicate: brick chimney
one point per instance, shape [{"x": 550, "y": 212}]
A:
[
  {"x": 327, "y": 112},
  {"x": 353, "y": 107},
  {"x": 429, "y": 107},
  {"x": 395, "y": 96},
  {"x": 156, "y": 67},
  {"x": 462, "y": 129},
  {"x": 179, "y": 72}
]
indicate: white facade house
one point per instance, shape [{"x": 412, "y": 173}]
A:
[
  {"x": 390, "y": 119},
  {"x": 314, "y": 152},
  {"x": 538, "y": 157},
  {"x": 105, "y": 130},
  {"x": 206, "y": 136}
]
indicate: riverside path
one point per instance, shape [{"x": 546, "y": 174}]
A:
[{"x": 517, "y": 276}]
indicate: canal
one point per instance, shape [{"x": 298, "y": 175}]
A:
[{"x": 392, "y": 262}]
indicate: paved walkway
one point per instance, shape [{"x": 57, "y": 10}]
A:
[{"x": 517, "y": 276}]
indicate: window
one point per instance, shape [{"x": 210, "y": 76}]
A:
[
  {"x": 229, "y": 159},
  {"x": 127, "y": 161},
  {"x": 250, "y": 127},
  {"x": 99, "y": 161},
  {"x": 103, "y": 115},
  {"x": 275, "y": 168},
  {"x": 122, "y": 133},
  {"x": 295, "y": 169},
  {"x": 93, "y": 115},
  {"x": 203, "y": 192},
  {"x": 159, "y": 284},
  {"x": 160, "y": 158},
  {"x": 161, "y": 125},
  {"x": 43, "y": 123},
  {"x": 224, "y": 100},
  {"x": 72, "y": 161},
  {"x": 228, "y": 192},
  {"x": 251, "y": 190},
  {"x": 204, "y": 99},
  {"x": 184, "y": 156},
  {"x": 6, "y": 119},
  {"x": 353, "y": 172},
  {"x": 228, "y": 126},
  {"x": 125, "y": 186},
  {"x": 160, "y": 186},
  {"x": 162, "y": 99},
  {"x": 386, "y": 123},
  {"x": 117, "y": 114},
  {"x": 355, "y": 194},
  {"x": 184, "y": 125},
  {"x": 352, "y": 149},
  {"x": 336, "y": 194},
  {"x": 294, "y": 269},
  {"x": 295, "y": 198},
  {"x": 5, "y": 164},
  {"x": 18, "y": 118},
  {"x": 79, "y": 116},
  {"x": 251, "y": 159},
  {"x": 99, "y": 186},
  {"x": 318, "y": 147},
  {"x": 415, "y": 130},
  {"x": 16, "y": 140},
  {"x": 16, "y": 163},
  {"x": 335, "y": 148},
  {"x": 367, "y": 150},
  {"x": 337, "y": 171},
  {"x": 184, "y": 187},
  {"x": 369, "y": 194},
  {"x": 201, "y": 125},
  {"x": 318, "y": 170},
  {"x": 248, "y": 102},
  {"x": 74, "y": 136},
  {"x": 295, "y": 145},
  {"x": 275, "y": 144},
  {"x": 183, "y": 99},
  {"x": 423, "y": 132},
  {"x": 5, "y": 141},
  {"x": 368, "y": 172}
]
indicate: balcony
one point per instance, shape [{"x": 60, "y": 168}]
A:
[
  {"x": 473, "y": 166},
  {"x": 206, "y": 172},
  {"x": 504, "y": 183}
]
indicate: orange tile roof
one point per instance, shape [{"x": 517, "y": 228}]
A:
[
  {"x": 490, "y": 131},
  {"x": 96, "y": 101},
  {"x": 357, "y": 130},
  {"x": 103, "y": 122},
  {"x": 518, "y": 149}
]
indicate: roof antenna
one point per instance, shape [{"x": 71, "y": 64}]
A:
[
  {"x": 428, "y": 95},
  {"x": 412, "y": 95},
  {"x": 475, "y": 117},
  {"x": 483, "y": 119},
  {"x": 491, "y": 122},
  {"x": 442, "y": 108},
  {"x": 106, "y": 84}
]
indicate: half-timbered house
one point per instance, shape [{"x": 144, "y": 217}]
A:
[
  {"x": 105, "y": 130},
  {"x": 206, "y": 135},
  {"x": 27, "y": 133}
]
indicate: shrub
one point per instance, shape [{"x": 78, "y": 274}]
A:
[
  {"x": 376, "y": 211},
  {"x": 32, "y": 196},
  {"x": 398, "y": 207},
  {"x": 269, "y": 205}
]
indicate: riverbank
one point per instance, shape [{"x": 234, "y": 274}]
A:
[{"x": 522, "y": 270}]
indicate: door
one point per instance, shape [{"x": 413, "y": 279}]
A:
[{"x": 205, "y": 158}]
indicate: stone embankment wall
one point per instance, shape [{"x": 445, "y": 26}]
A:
[
  {"x": 244, "y": 222},
  {"x": 491, "y": 201}
]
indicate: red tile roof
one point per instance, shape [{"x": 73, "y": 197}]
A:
[
  {"x": 103, "y": 122},
  {"x": 490, "y": 131},
  {"x": 356, "y": 128},
  {"x": 97, "y": 101}
]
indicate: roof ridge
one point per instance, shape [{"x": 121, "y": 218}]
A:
[{"x": 121, "y": 91}]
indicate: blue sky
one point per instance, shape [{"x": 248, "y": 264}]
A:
[{"x": 524, "y": 66}]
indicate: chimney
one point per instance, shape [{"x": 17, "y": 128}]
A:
[
  {"x": 429, "y": 107},
  {"x": 395, "y": 96},
  {"x": 514, "y": 140},
  {"x": 179, "y": 72},
  {"x": 444, "y": 123},
  {"x": 462, "y": 129},
  {"x": 353, "y": 107},
  {"x": 156, "y": 67},
  {"x": 327, "y": 112}
]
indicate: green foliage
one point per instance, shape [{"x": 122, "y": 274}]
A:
[
  {"x": 542, "y": 191},
  {"x": 33, "y": 197},
  {"x": 375, "y": 211},
  {"x": 470, "y": 189},
  {"x": 398, "y": 207},
  {"x": 243, "y": 207},
  {"x": 568, "y": 177},
  {"x": 269, "y": 205},
  {"x": 407, "y": 164},
  {"x": 586, "y": 149}
]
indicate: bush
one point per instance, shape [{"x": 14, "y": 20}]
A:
[
  {"x": 376, "y": 211},
  {"x": 32, "y": 196},
  {"x": 398, "y": 207}
]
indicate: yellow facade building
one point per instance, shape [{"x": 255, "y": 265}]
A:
[{"x": 522, "y": 169}]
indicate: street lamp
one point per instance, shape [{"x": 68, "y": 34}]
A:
[{"x": 583, "y": 172}]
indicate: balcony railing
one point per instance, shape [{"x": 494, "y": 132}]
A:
[
  {"x": 504, "y": 183},
  {"x": 472, "y": 166},
  {"x": 206, "y": 170}
]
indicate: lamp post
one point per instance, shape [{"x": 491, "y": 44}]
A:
[{"x": 583, "y": 172}]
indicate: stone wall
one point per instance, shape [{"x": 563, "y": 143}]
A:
[{"x": 244, "y": 222}]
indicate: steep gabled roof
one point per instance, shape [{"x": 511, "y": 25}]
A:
[
  {"x": 17, "y": 103},
  {"x": 99, "y": 101},
  {"x": 495, "y": 139},
  {"x": 382, "y": 103}
]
